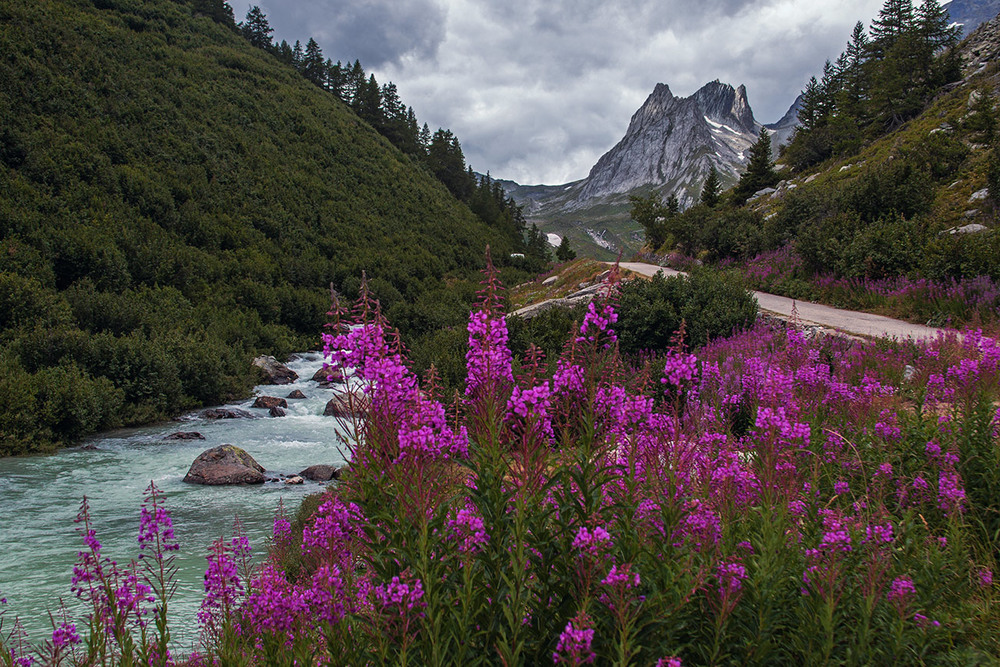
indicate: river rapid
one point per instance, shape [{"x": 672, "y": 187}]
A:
[{"x": 40, "y": 497}]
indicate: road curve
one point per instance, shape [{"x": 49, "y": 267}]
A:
[{"x": 848, "y": 321}]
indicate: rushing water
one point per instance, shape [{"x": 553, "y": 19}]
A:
[{"x": 40, "y": 497}]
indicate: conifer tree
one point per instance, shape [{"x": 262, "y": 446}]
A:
[
  {"x": 313, "y": 65},
  {"x": 760, "y": 171},
  {"x": 297, "y": 55},
  {"x": 256, "y": 29},
  {"x": 564, "y": 253},
  {"x": 711, "y": 189},
  {"x": 894, "y": 19}
]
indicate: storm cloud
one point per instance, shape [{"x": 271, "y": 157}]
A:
[{"x": 538, "y": 90}]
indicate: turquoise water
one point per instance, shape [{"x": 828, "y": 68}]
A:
[{"x": 40, "y": 497}]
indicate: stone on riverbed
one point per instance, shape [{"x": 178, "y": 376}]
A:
[
  {"x": 276, "y": 412},
  {"x": 329, "y": 375},
  {"x": 296, "y": 394},
  {"x": 274, "y": 371},
  {"x": 268, "y": 402},
  {"x": 226, "y": 413},
  {"x": 185, "y": 435},
  {"x": 321, "y": 473},
  {"x": 346, "y": 405},
  {"x": 225, "y": 465}
]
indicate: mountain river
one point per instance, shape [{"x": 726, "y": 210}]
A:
[{"x": 40, "y": 497}]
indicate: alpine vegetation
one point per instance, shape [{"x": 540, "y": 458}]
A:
[{"x": 766, "y": 499}]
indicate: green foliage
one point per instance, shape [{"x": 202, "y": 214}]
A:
[
  {"x": 711, "y": 188},
  {"x": 878, "y": 83},
  {"x": 564, "y": 253},
  {"x": 760, "y": 172},
  {"x": 653, "y": 214},
  {"x": 184, "y": 201},
  {"x": 650, "y": 312}
]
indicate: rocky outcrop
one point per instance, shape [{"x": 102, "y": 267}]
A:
[
  {"x": 225, "y": 465},
  {"x": 321, "y": 473},
  {"x": 268, "y": 402},
  {"x": 185, "y": 435},
  {"x": 346, "y": 405},
  {"x": 982, "y": 46},
  {"x": 585, "y": 295},
  {"x": 226, "y": 413},
  {"x": 275, "y": 372}
]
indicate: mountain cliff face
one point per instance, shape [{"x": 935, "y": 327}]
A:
[
  {"x": 672, "y": 143},
  {"x": 970, "y": 14}
]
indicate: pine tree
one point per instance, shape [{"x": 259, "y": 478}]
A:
[
  {"x": 894, "y": 20},
  {"x": 297, "y": 55},
  {"x": 711, "y": 189},
  {"x": 855, "y": 86},
  {"x": 313, "y": 65},
  {"x": 811, "y": 110},
  {"x": 564, "y": 253},
  {"x": 760, "y": 172},
  {"x": 256, "y": 29}
]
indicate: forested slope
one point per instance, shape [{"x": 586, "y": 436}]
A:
[{"x": 173, "y": 200}]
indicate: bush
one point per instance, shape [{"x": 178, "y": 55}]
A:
[{"x": 650, "y": 312}]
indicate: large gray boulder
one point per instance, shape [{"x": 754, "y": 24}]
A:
[
  {"x": 274, "y": 371},
  {"x": 346, "y": 405},
  {"x": 225, "y": 465}
]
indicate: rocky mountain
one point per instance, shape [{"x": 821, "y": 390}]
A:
[
  {"x": 670, "y": 146},
  {"x": 672, "y": 142},
  {"x": 970, "y": 14}
]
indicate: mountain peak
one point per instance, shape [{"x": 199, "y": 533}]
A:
[
  {"x": 724, "y": 104},
  {"x": 672, "y": 142}
]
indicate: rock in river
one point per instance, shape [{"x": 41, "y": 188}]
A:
[
  {"x": 268, "y": 402},
  {"x": 296, "y": 394},
  {"x": 226, "y": 413},
  {"x": 328, "y": 375},
  {"x": 226, "y": 464},
  {"x": 185, "y": 435},
  {"x": 321, "y": 473},
  {"x": 274, "y": 371},
  {"x": 346, "y": 405}
]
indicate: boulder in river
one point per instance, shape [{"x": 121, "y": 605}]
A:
[
  {"x": 346, "y": 405},
  {"x": 226, "y": 413},
  {"x": 329, "y": 375},
  {"x": 225, "y": 464},
  {"x": 185, "y": 435},
  {"x": 268, "y": 402},
  {"x": 276, "y": 411},
  {"x": 274, "y": 371},
  {"x": 321, "y": 473},
  {"x": 296, "y": 394},
  {"x": 294, "y": 480}
]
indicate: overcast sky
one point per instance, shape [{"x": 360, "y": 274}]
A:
[{"x": 538, "y": 90}]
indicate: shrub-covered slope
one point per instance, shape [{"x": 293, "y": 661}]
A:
[{"x": 173, "y": 200}]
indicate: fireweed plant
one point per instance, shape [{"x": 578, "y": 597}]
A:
[{"x": 767, "y": 499}]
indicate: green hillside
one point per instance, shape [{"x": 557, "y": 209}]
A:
[{"x": 173, "y": 201}]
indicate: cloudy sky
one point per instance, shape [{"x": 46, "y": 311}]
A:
[{"x": 538, "y": 90}]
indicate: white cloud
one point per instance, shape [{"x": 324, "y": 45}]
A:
[{"x": 538, "y": 90}]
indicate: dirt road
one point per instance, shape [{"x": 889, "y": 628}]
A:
[{"x": 848, "y": 321}]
